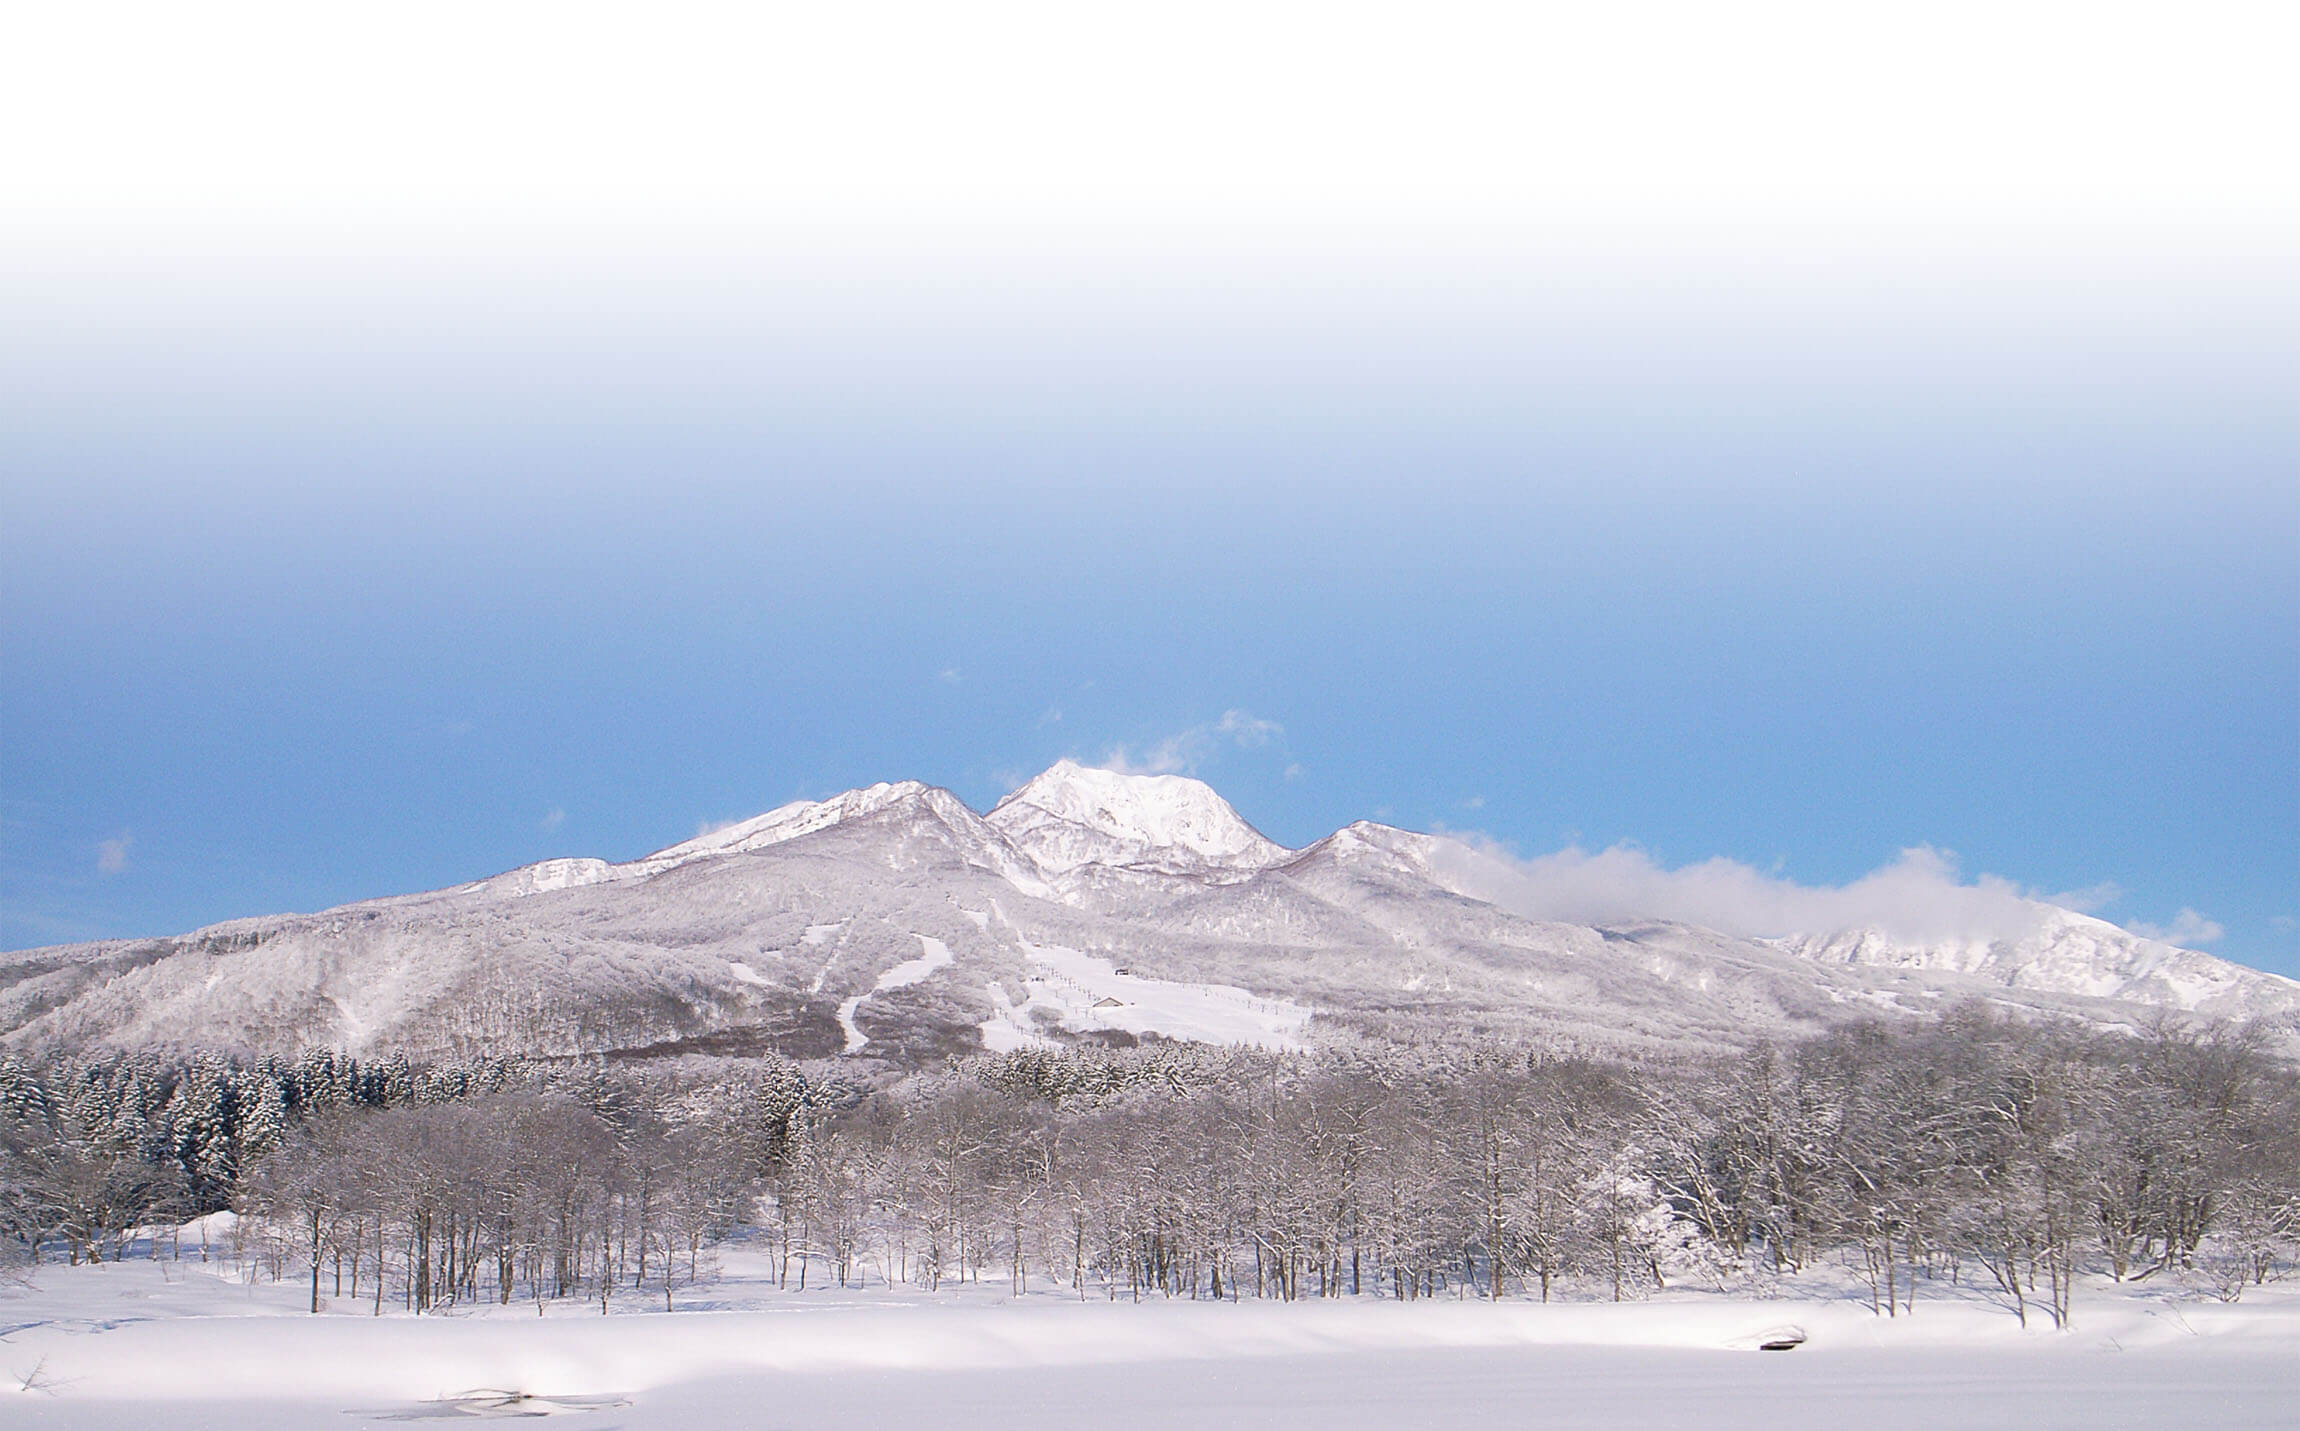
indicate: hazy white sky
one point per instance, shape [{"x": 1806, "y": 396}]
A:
[
  {"x": 437, "y": 436},
  {"x": 447, "y": 116}
]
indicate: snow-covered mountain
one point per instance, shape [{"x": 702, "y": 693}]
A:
[
  {"x": 1073, "y": 816},
  {"x": 2065, "y": 952},
  {"x": 895, "y": 923}
]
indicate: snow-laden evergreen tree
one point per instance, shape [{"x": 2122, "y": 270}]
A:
[
  {"x": 23, "y": 1096},
  {"x": 322, "y": 1080},
  {"x": 263, "y": 1121},
  {"x": 202, "y": 1122},
  {"x": 391, "y": 1082}
]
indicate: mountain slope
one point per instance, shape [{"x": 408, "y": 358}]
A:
[{"x": 893, "y": 923}]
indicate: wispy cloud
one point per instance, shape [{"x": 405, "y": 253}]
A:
[
  {"x": 1920, "y": 896},
  {"x": 552, "y": 819},
  {"x": 949, "y": 676},
  {"x": 112, "y": 854},
  {"x": 1184, "y": 751},
  {"x": 2091, "y": 899},
  {"x": 2188, "y": 929}
]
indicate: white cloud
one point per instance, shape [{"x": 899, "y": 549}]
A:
[
  {"x": 1247, "y": 728},
  {"x": 552, "y": 819},
  {"x": 1920, "y": 896},
  {"x": 1183, "y": 752},
  {"x": 2088, "y": 900},
  {"x": 1294, "y": 771},
  {"x": 948, "y": 675},
  {"x": 1160, "y": 761},
  {"x": 112, "y": 854},
  {"x": 2187, "y": 929},
  {"x": 1474, "y": 802}
]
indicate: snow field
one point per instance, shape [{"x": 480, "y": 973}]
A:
[
  {"x": 179, "y": 1344},
  {"x": 1073, "y": 986}
]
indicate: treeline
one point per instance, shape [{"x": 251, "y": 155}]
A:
[
  {"x": 574, "y": 1184},
  {"x": 1974, "y": 1150},
  {"x": 93, "y": 1148},
  {"x": 94, "y": 1145}
]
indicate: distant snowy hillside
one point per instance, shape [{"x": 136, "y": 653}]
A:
[
  {"x": 2070, "y": 953},
  {"x": 893, "y": 923}
]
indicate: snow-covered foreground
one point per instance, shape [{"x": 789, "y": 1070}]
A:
[{"x": 187, "y": 1345}]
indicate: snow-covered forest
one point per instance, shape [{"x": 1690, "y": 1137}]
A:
[{"x": 1976, "y": 1152}]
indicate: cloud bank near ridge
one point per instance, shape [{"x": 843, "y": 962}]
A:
[{"x": 1919, "y": 897}]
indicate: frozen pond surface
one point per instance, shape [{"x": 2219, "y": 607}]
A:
[{"x": 182, "y": 1345}]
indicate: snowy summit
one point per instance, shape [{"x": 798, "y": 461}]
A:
[{"x": 1074, "y": 815}]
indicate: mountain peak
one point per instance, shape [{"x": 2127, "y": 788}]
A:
[{"x": 1072, "y": 815}]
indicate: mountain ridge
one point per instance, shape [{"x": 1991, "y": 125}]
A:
[{"x": 1088, "y": 905}]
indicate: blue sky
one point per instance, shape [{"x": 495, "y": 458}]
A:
[{"x": 343, "y": 556}]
